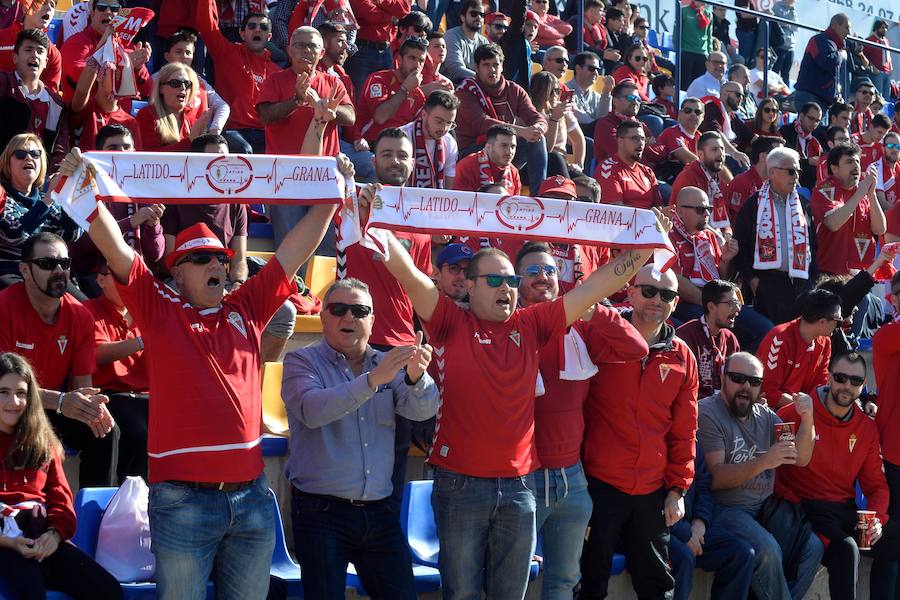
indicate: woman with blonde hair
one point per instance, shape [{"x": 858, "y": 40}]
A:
[
  {"x": 27, "y": 210},
  {"x": 170, "y": 122},
  {"x": 37, "y": 501},
  {"x": 562, "y": 126}
]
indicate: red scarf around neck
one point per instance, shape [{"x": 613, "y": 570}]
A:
[
  {"x": 486, "y": 176},
  {"x": 427, "y": 172}
]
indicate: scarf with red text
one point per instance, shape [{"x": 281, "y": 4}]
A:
[
  {"x": 702, "y": 267},
  {"x": 427, "y": 172},
  {"x": 768, "y": 253},
  {"x": 719, "y": 217},
  {"x": 807, "y": 145}
]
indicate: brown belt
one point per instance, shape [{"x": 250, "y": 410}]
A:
[{"x": 222, "y": 486}]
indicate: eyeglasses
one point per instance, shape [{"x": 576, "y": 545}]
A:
[
  {"x": 650, "y": 291},
  {"x": 253, "y": 25},
  {"x": 732, "y": 303},
  {"x": 454, "y": 269},
  {"x": 717, "y": 62},
  {"x": 892, "y": 146},
  {"x": 204, "y": 258},
  {"x": 535, "y": 270},
  {"x": 308, "y": 46},
  {"x": 844, "y": 378},
  {"x": 741, "y": 379},
  {"x": 641, "y": 58},
  {"x": 179, "y": 84},
  {"x": 23, "y": 154},
  {"x": 641, "y": 27},
  {"x": 339, "y": 309},
  {"x": 700, "y": 209},
  {"x": 47, "y": 263},
  {"x": 500, "y": 26},
  {"x": 789, "y": 170},
  {"x": 561, "y": 60},
  {"x": 769, "y": 110},
  {"x": 113, "y": 8},
  {"x": 496, "y": 281},
  {"x": 692, "y": 111}
]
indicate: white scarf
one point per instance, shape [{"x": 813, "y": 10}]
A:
[
  {"x": 767, "y": 254},
  {"x": 576, "y": 365}
]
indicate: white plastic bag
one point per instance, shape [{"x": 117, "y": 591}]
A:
[{"x": 123, "y": 543}]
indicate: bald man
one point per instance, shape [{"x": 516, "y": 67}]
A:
[
  {"x": 641, "y": 417},
  {"x": 709, "y": 83}
]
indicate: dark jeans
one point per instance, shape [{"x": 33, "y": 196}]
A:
[
  {"x": 329, "y": 533},
  {"x": 886, "y": 567},
  {"x": 725, "y": 554},
  {"x": 68, "y": 570},
  {"x": 365, "y": 62},
  {"x": 635, "y": 523},
  {"x": 99, "y": 456},
  {"x": 836, "y": 521},
  {"x": 130, "y": 412},
  {"x": 783, "y": 63},
  {"x": 534, "y": 156},
  {"x": 255, "y": 138}
]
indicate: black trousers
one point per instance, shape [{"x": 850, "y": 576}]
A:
[
  {"x": 99, "y": 456},
  {"x": 836, "y": 521},
  {"x": 886, "y": 566},
  {"x": 68, "y": 570},
  {"x": 130, "y": 411},
  {"x": 637, "y": 525},
  {"x": 692, "y": 67},
  {"x": 777, "y": 294}
]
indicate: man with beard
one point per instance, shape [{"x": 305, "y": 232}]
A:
[
  {"x": 640, "y": 424},
  {"x": 880, "y": 60},
  {"x": 492, "y": 164},
  {"x": 737, "y": 437},
  {"x": 869, "y": 141},
  {"x": 623, "y": 179},
  {"x": 709, "y": 174},
  {"x": 839, "y": 114},
  {"x": 834, "y": 136},
  {"x": 434, "y": 148},
  {"x": 451, "y": 263},
  {"x": 776, "y": 241},
  {"x": 748, "y": 183},
  {"x": 848, "y": 214},
  {"x": 820, "y": 69},
  {"x": 848, "y": 451},
  {"x": 563, "y": 503},
  {"x": 721, "y": 115},
  {"x": 625, "y": 106},
  {"x": 710, "y": 337},
  {"x": 799, "y": 136},
  {"x": 55, "y": 333},
  {"x": 496, "y": 24},
  {"x": 888, "y": 184},
  {"x": 463, "y": 40},
  {"x": 864, "y": 95}
]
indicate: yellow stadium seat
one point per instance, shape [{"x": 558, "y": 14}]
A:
[
  {"x": 568, "y": 76},
  {"x": 536, "y": 68},
  {"x": 320, "y": 273},
  {"x": 274, "y": 413},
  {"x": 308, "y": 324},
  {"x": 266, "y": 256},
  {"x": 599, "y": 85}
]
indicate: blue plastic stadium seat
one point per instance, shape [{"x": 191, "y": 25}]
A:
[
  {"x": 425, "y": 579},
  {"x": 273, "y": 445},
  {"x": 283, "y": 566},
  {"x": 136, "y": 106},
  {"x": 861, "y": 501},
  {"x": 260, "y": 230},
  {"x": 865, "y": 344},
  {"x": 54, "y": 30}
]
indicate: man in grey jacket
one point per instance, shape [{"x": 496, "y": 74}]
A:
[{"x": 462, "y": 41}]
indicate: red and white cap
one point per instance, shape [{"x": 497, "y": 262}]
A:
[{"x": 196, "y": 238}]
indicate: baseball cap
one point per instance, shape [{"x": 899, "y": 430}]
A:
[
  {"x": 859, "y": 82},
  {"x": 488, "y": 20},
  {"x": 196, "y": 238},
  {"x": 559, "y": 185},
  {"x": 454, "y": 254},
  {"x": 530, "y": 15}
]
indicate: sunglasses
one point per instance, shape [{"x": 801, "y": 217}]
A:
[
  {"x": 308, "y": 46},
  {"x": 592, "y": 68},
  {"x": 23, "y": 154},
  {"x": 561, "y": 60},
  {"x": 47, "y": 263},
  {"x": 113, "y": 8},
  {"x": 179, "y": 84},
  {"x": 496, "y": 281},
  {"x": 650, "y": 291},
  {"x": 640, "y": 58},
  {"x": 204, "y": 258},
  {"x": 769, "y": 110},
  {"x": 500, "y": 26},
  {"x": 631, "y": 98},
  {"x": 844, "y": 378},
  {"x": 700, "y": 209},
  {"x": 535, "y": 270},
  {"x": 692, "y": 111},
  {"x": 253, "y": 26},
  {"x": 892, "y": 146},
  {"x": 789, "y": 170},
  {"x": 339, "y": 309},
  {"x": 476, "y": 14},
  {"x": 642, "y": 27},
  {"x": 741, "y": 379}
]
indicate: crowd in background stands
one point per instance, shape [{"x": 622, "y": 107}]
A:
[{"x": 581, "y": 399}]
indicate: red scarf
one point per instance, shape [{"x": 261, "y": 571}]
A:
[
  {"x": 427, "y": 173},
  {"x": 595, "y": 36},
  {"x": 470, "y": 85},
  {"x": 719, "y": 217},
  {"x": 702, "y": 267},
  {"x": 807, "y": 145},
  {"x": 862, "y": 120},
  {"x": 486, "y": 177},
  {"x": 768, "y": 251},
  {"x": 702, "y": 20}
]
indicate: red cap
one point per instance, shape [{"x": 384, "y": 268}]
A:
[
  {"x": 196, "y": 238},
  {"x": 530, "y": 15},
  {"x": 559, "y": 185},
  {"x": 493, "y": 17}
]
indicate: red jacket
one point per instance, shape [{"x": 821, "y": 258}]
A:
[
  {"x": 552, "y": 31},
  {"x": 844, "y": 452},
  {"x": 376, "y": 18},
  {"x": 146, "y": 119},
  {"x": 741, "y": 187},
  {"x": 791, "y": 365},
  {"x": 46, "y": 485},
  {"x": 509, "y": 100},
  {"x": 559, "y": 412},
  {"x": 641, "y": 420},
  {"x": 885, "y": 358}
]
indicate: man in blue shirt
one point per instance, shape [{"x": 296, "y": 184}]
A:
[{"x": 820, "y": 70}]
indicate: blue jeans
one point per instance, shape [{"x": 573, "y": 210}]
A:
[
  {"x": 283, "y": 217},
  {"x": 563, "y": 513},
  {"x": 747, "y": 46},
  {"x": 751, "y": 327},
  {"x": 882, "y": 82},
  {"x": 768, "y": 581},
  {"x": 535, "y": 153},
  {"x": 362, "y": 163},
  {"x": 329, "y": 533},
  {"x": 255, "y": 138},
  {"x": 729, "y": 557},
  {"x": 365, "y": 62},
  {"x": 193, "y": 530},
  {"x": 486, "y": 530},
  {"x": 802, "y": 97}
]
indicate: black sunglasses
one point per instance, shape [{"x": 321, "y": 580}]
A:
[
  {"x": 650, "y": 291},
  {"x": 641, "y": 58},
  {"x": 496, "y": 281},
  {"x": 592, "y": 68},
  {"x": 23, "y": 154},
  {"x": 113, "y": 8},
  {"x": 475, "y": 13},
  {"x": 560, "y": 60},
  {"x": 253, "y": 25},
  {"x": 204, "y": 258},
  {"x": 692, "y": 111},
  {"x": 179, "y": 84},
  {"x": 844, "y": 378},
  {"x": 47, "y": 263},
  {"x": 500, "y": 26},
  {"x": 789, "y": 170},
  {"x": 700, "y": 209},
  {"x": 769, "y": 110},
  {"x": 339, "y": 309},
  {"x": 741, "y": 379}
]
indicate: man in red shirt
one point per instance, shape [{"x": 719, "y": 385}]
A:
[
  {"x": 55, "y": 333},
  {"x": 710, "y": 174},
  {"x": 834, "y": 136},
  {"x": 869, "y": 141},
  {"x": 492, "y": 165},
  {"x": 625, "y": 106},
  {"x": 888, "y": 182},
  {"x": 38, "y": 16},
  {"x": 241, "y": 68},
  {"x": 847, "y": 214},
  {"x": 563, "y": 503},
  {"x": 377, "y": 28},
  {"x": 622, "y": 177},
  {"x": 796, "y": 353},
  {"x": 847, "y": 451},
  {"x": 748, "y": 183},
  {"x": 484, "y": 450},
  {"x": 638, "y": 453},
  {"x": 680, "y": 141}
]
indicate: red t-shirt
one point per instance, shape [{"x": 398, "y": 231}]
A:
[
  {"x": 394, "y": 320},
  {"x": 468, "y": 176},
  {"x": 52, "y": 72},
  {"x": 633, "y": 186},
  {"x": 56, "y": 352},
  {"x": 205, "y": 407},
  {"x": 850, "y": 247},
  {"x": 127, "y": 374},
  {"x": 675, "y": 137},
  {"x": 379, "y": 87},
  {"x": 286, "y": 135},
  {"x": 87, "y": 123},
  {"x": 685, "y": 255},
  {"x": 888, "y": 178},
  {"x": 486, "y": 420},
  {"x": 741, "y": 187},
  {"x": 893, "y": 219},
  {"x": 146, "y": 120},
  {"x": 869, "y": 154}
]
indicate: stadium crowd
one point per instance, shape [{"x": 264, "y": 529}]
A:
[{"x": 713, "y": 416}]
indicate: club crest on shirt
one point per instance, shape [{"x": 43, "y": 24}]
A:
[
  {"x": 62, "y": 342},
  {"x": 828, "y": 192},
  {"x": 664, "y": 372},
  {"x": 516, "y": 338},
  {"x": 862, "y": 244},
  {"x": 375, "y": 90},
  {"x": 235, "y": 319},
  {"x": 852, "y": 441}
]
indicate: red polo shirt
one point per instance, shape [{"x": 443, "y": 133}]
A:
[
  {"x": 87, "y": 123},
  {"x": 634, "y": 186},
  {"x": 468, "y": 176},
  {"x": 675, "y": 137},
  {"x": 850, "y": 247},
  {"x": 127, "y": 374},
  {"x": 380, "y": 86}
]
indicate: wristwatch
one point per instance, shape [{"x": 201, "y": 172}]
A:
[{"x": 677, "y": 490}]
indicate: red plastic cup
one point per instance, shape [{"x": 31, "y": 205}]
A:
[
  {"x": 785, "y": 432},
  {"x": 864, "y": 520}
]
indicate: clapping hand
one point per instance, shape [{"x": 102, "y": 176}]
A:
[
  {"x": 420, "y": 359},
  {"x": 326, "y": 108}
]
